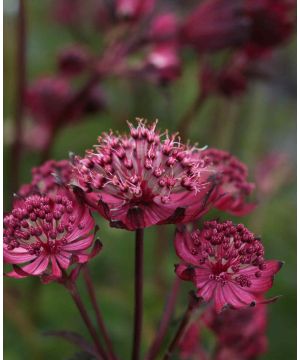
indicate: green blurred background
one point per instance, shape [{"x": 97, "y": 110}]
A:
[{"x": 250, "y": 127}]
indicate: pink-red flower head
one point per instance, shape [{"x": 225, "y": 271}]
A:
[
  {"x": 45, "y": 234},
  {"x": 47, "y": 177},
  {"x": 47, "y": 97},
  {"x": 240, "y": 333},
  {"x": 144, "y": 179},
  {"x": 229, "y": 81},
  {"x": 226, "y": 263},
  {"x": 233, "y": 189},
  {"x": 215, "y": 25},
  {"x": 272, "y": 23}
]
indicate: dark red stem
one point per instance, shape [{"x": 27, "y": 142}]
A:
[
  {"x": 138, "y": 294},
  {"x": 100, "y": 321},
  {"x": 182, "y": 326},
  {"x": 85, "y": 317},
  {"x": 188, "y": 117},
  {"x": 165, "y": 320},
  {"x": 20, "y": 96}
]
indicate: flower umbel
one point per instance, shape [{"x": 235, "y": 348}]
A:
[
  {"x": 47, "y": 177},
  {"x": 49, "y": 233},
  {"x": 233, "y": 187},
  {"x": 226, "y": 264},
  {"x": 141, "y": 180}
]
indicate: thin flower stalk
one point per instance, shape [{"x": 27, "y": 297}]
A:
[{"x": 100, "y": 321}]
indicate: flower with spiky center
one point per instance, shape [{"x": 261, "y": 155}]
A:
[
  {"x": 141, "y": 180},
  {"x": 226, "y": 263},
  {"x": 46, "y": 234},
  {"x": 233, "y": 186},
  {"x": 47, "y": 177}
]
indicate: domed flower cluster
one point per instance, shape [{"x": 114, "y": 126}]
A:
[
  {"x": 47, "y": 177},
  {"x": 46, "y": 234},
  {"x": 144, "y": 179},
  {"x": 233, "y": 187},
  {"x": 226, "y": 263}
]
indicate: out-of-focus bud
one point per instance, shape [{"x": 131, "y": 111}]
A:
[
  {"x": 164, "y": 28},
  {"x": 215, "y": 25},
  {"x": 133, "y": 9},
  {"x": 272, "y": 23},
  {"x": 73, "y": 60},
  {"x": 95, "y": 102},
  {"x": 229, "y": 81},
  {"x": 163, "y": 63},
  {"x": 272, "y": 173},
  {"x": 47, "y": 97}
]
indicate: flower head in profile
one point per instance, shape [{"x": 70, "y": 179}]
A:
[
  {"x": 239, "y": 333},
  {"x": 45, "y": 234},
  {"x": 226, "y": 263},
  {"x": 144, "y": 179},
  {"x": 233, "y": 188},
  {"x": 47, "y": 177}
]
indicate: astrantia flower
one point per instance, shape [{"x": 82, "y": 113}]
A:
[
  {"x": 46, "y": 177},
  {"x": 163, "y": 63},
  {"x": 242, "y": 333},
  {"x": 233, "y": 188},
  {"x": 46, "y": 234},
  {"x": 46, "y": 99},
  {"x": 144, "y": 179},
  {"x": 215, "y": 25},
  {"x": 226, "y": 263},
  {"x": 272, "y": 23},
  {"x": 229, "y": 81}
]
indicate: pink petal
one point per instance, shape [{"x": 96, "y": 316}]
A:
[
  {"x": 63, "y": 261},
  {"x": 37, "y": 267},
  {"x": 242, "y": 294},
  {"x": 207, "y": 291},
  {"x": 185, "y": 272},
  {"x": 219, "y": 298},
  {"x": 79, "y": 244},
  {"x": 182, "y": 249},
  {"x": 87, "y": 223},
  {"x": 56, "y": 271},
  {"x": 17, "y": 256}
]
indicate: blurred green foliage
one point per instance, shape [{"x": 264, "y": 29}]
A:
[{"x": 251, "y": 126}]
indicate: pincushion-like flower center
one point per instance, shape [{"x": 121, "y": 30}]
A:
[
  {"x": 227, "y": 250},
  {"x": 40, "y": 224}
]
